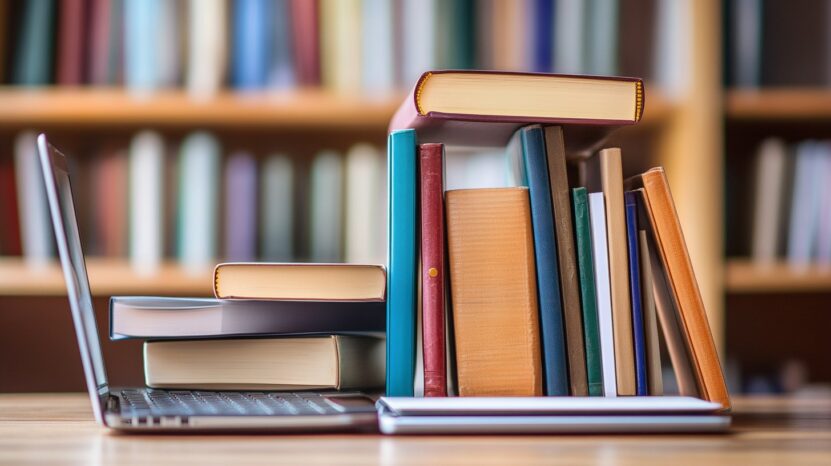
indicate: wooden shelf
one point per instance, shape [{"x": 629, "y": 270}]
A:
[
  {"x": 745, "y": 276},
  {"x": 106, "y": 276},
  {"x": 92, "y": 107},
  {"x": 778, "y": 104}
]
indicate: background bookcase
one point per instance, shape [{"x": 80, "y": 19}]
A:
[{"x": 691, "y": 121}]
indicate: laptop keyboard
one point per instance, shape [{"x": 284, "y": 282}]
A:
[{"x": 151, "y": 402}]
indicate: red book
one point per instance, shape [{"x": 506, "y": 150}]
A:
[
  {"x": 99, "y": 42},
  {"x": 9, "y": 220},
  {"x": 432, "y": 268},
  {"x": 485, "y": 108},
  {"x": 305, "y": 41},
  {"x": 70, "y": 42}
]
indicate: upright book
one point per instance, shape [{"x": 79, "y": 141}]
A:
[
  {"x": 431, "y": 158},
  {"x": 600, "y": 256},
  {"x": 485, "y": 108},
  {"x": 402, "y": 259},
  {"x": 632, "y": 242}
]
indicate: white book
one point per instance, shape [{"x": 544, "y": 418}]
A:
[
  {"x": 207, "y": 52},
  {"x": 602, "y": 37},
  {"x": 600, "y": 255},
  {"x": 146, "y": 212},
  {"x": 363, "y": 184},
  {"x": 823, "y": 175},
  {"x": 419, "y": 47},
  {"x": 35, "y": 225},
  {"x": 804, "y": 221},
  {"x": 767, "y": 211},
  {"x": 277, "y": 203},
  {"x": 326, "y": 207},
  {"x": 198, "y": 201},
  {"x": 377, "y": 40},
  {"x": 569, "y": 43}
]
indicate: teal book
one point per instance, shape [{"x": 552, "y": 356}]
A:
[
  {"x": 35, "y": 44},
  {"x": 588, "y": 291},
  {"x": 402, "y": 279}
]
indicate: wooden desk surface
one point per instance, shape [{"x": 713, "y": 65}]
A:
[{"x": 766, "y": 431}]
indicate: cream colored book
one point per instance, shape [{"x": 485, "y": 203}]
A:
[
  {"x": 308, "y": 363},
  {"x": 300, "y": 281}
]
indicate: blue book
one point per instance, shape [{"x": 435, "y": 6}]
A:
[
  {"x": 402, "y": 278},
  {"x": 252, "y": 38},
  {"x": 141, "y": 44},
  {"x": 542, "y": 35},
  {"x": 630, "y": 200},
  {"x": 282, "y": 64},
  {"x": 545, "y": 254}
]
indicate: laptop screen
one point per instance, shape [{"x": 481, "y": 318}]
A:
[{"x": 62, "y": 209}]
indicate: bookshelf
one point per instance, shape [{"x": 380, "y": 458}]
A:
[
  {"x": 745, "y": 277},
  {"x": 778, "y": 104}
]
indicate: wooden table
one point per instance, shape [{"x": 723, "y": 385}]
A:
[{"x": 766, "y": 431}]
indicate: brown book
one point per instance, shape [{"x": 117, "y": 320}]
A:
[
  {"x": 569, "y": 282},
  {"x": 604, "y": 173},
  {"x": 676, "y": 274},
  {"x": 494, "y": 292},
  {"x": 72, "y": 29}
]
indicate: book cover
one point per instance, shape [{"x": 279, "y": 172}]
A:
[
  {"x": 305, "y": 40},
  {"x": 326, "y": 215},
  {"x": 553, "y": 334},
  {"x": 431, "y": 160},
  {"x": 277, "y": 208},
  {"x": 402, "y": 262},
  {"x": 36, "y": 237},
  {"x": 569, "y": 285},
  {"x": 251, "y": 43},
  {"x": 198, "y": 209},
  {"x": 588, "y": 291},
  {"x": 631, "y": 206},
  {"x": 677, "y": 276},
  {"x": 495, "y": 314},
  {"x": 604, "y": 173},
  {"x": 146, "y": 174},
  {"x": 600, "y": 255}
]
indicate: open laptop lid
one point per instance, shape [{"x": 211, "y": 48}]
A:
[{"x": 65, "y": 225}]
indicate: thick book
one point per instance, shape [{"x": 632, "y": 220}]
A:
[
  {"x": 490, "y": 243},
  {"x": 277, "y": 208},
  {"x": 588, "y": 291},
  {"x": 147, "y": 317},
  {"x": 484, "y": 108},
  {"x": 146, "y": 168},
  {"x": 198, "y": 207},
  {"x": 402, "y": 276},
  {"x": 300, "y": 281},
  {"x": 555, "y": 356},
  {"x": 307, "y": 363},
  {"x": 604, "y": 173},
  {"x": 600, "y": 255},
  {"x": 431, "y": 160},
  {"x": 240, "y": 207},
  {"x": 679, "y": 277},
  {"x": 569, "y": 285},
  {"x": 326, "y": 212},
  {"x": 305, "y": 41},
  {"x": 632, "y": 242}
]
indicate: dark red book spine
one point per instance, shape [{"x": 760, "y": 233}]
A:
[
  {"x": 305, "y": 37},
  {"x": 9, "y": 219},
  {"x": 432, "y": 268},
  {"x": 71, "y": 42}
]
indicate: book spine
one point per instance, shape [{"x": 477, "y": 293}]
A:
[
  {"x": 282, "y": 74},
  {"x": 277, "y": 204},
  {"x": 588, "y": 293},
  {"x": 545, "y": 251},
  {"x": 198, "y": 201},
  {"x": 240, "y": 207},
  {"x": 35, "y": 226},
  {"x": 251, "y": 44},
  {"x": 631, "y": 206},
  {"x": 363, "y": 211},
  {"x": 326, "y": 213},
  {"x": 305, "y": 41},
  {"x": 600, "y": 255},
  {"x": 401, "y": 269},
  {"x": 432, "y": 268},
  {"x": 145, "y": 182}
]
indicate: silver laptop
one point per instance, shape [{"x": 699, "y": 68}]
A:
[{"x": 145, "y": 409}]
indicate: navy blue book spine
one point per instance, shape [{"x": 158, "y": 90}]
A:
[
  {"x": 630, "y": 200},
  {"x": 542, "y": 19},
  {"x": 545, "y": 255}
]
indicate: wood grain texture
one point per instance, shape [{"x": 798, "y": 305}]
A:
[
  {"x": 766, "y": 431},
  {"x": 494, "y": 292}
]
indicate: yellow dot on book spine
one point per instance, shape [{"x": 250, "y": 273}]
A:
[{"x": 433, "y": 272}]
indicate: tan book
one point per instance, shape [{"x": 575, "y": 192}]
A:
[
  {"x": 604, "y": 173},
  {"x": 308, "y": 363},
  {"x": 566, "y": 255},
  {"x": 494, "y": 292},
  {"x": 679, "y": 277},
  {"x": 300, "y": 281}
]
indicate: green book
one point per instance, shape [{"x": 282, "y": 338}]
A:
[
  {"x": 588, "y": 293},
  {"x": 35, "y": 41}
]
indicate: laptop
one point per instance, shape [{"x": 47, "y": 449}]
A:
[{"x": 146, "y": 409}]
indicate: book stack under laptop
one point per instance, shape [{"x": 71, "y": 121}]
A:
[
  {"x": 272, "y": 326},
  {"x": 556, "y": 283}
]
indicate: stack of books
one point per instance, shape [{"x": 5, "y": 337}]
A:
[
  {"x": 272, "y": 326},
  {"x": 555, "y": 284}
]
